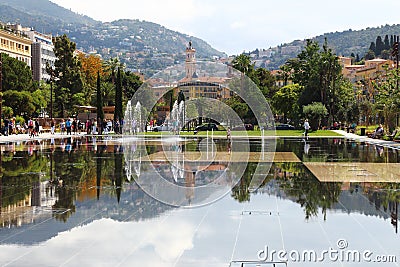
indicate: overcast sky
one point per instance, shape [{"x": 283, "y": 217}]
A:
[{"x": 233, "y": 26}]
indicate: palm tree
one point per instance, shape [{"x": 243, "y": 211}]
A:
[
  {"x": 112, "y": 65},
  {"x": 242, "y": 63}
]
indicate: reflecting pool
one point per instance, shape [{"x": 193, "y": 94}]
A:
[{"x": 87, "y": 201}]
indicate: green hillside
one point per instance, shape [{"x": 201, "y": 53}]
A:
[
  {"x": 144, "y": 46},
  {"x": 47, "y": 9},
  {"x": 343, "y": 43}
]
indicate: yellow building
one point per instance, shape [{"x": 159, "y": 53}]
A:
[
  {"x": 194, "y": 86},
  {"x": 370, "y": 70},
  {"x": 16, "y": 44},
  {"x": 364, "y": 76}
]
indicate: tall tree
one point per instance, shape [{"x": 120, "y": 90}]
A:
[
  {"x": 285, "y": 101},
  {"x": 131, "y": 83},
  {"x": 20, "y": 102},
  {"x": 111, "y": 65},
  {"x": 90, "y": 66},
  {"x": 67, "y": 73},
  {"x": 265, "y": 82},
  {"x": 372, "y": 47},
  {"x": 243, "y": 64},
  {"x": 118, "y": 97},
  {"x": 16, "y": 75},
  {"x": 386, "y": 42},
  {"x": 379, "y": 45},
  {"x": 318, "y": 71}
]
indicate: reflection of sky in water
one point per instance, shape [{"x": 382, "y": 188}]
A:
[
  {"x": 208, "y": 236},
  {"x": 139, "y": 231}
]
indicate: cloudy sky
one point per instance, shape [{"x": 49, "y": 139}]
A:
[{"x": 233, "y": 26}]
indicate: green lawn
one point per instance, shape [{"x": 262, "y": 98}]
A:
[{"x": 291, "y": 133}]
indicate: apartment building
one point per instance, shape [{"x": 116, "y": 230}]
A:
[
  {"x": 42, "y": 54},
  {"x": 16, "y": 44}
]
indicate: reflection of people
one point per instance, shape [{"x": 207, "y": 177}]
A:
[
  {"x": 306, "y": 128},
  {"x": 306, "y": 147},
  {"x": 228, "y": 137},
  {"x": 379, "y": 150}
]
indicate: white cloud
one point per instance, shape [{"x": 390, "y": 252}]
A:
[{"x": 238, "y": 25}]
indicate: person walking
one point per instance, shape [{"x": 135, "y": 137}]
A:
[
  {"x": 5, "y": 130},
  {"x": 75, "y": 126},
  {"x": 53, "y": 126},
  {"x": 306, "y": 128},
  {"x": 62, "y": 126},
  {"x": 30, "y": 127},
  {"x": 68, "y": 125},
  {"x": 37, "y": 127}
]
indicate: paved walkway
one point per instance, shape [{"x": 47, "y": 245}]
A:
[
  {"x": 366, "y": 139},
  {"x": 25, "y": 137},
  {"x": 351, "y": 136}
]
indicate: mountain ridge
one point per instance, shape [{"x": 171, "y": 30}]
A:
[
  {"x": 141, "y": 45},
  {"x": 343, "y": 43},
  {"x": 146, "y": 45}
]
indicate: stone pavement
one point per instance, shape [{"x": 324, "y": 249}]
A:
[{"x": 25, "y": 137}]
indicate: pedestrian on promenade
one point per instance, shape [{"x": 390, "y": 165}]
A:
[
  {"x": 37, "y": 127},
  {"x": 53, "y": 126},
  {"x": 306, "y": 128},
  {"x": 68, "y": 125},
  {"x": 30, "y": 127},
  {"x": 62, "y": 126},
  {"x": 75, "y": 126}
]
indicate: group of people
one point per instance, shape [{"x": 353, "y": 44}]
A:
[
  {"x": 68, "y": 126},
  {"x": 32, "y": 127}
]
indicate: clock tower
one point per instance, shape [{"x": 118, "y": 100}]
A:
[{"x": 190, "y": 62}]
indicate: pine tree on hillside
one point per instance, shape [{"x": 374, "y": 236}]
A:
[
  {"x": 380, "y": 46},
  {"x": 386, "y": 42},
  {"x": 372, "y": 47}
]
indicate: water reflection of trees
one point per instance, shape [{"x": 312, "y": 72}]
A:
[
  {"x": 297, "y": 183},
  {"x": 310, "y": 193},
  {"x": 240, "y": 191},
  {"x": 384, "y": 196},
  {"x": 338, "y": 149}
]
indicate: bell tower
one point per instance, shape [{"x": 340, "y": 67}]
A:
[{"x": 190, "y": 62}]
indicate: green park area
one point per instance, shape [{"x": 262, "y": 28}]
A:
[{"x": 279, "y": 133}]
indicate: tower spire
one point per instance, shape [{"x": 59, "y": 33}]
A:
[{"x": 190, "y": 62}]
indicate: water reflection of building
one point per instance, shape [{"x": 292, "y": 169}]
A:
[
  {"x": 370, "y": 199},
  {"x": 137, "y": 206},
  {"x": 36, "y": 204}
]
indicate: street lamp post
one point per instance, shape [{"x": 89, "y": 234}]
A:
[
  {"x": 1, "y": 86},
  {"x": 50, "y": 70},
  {"x": 51, "y": 96}
]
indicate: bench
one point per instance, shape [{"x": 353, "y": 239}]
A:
[
  {"x": 44, "y": 130},
  {"x": 392, "y": 136}
]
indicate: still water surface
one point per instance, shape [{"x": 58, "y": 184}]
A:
[{"x": 68, "y": 202}]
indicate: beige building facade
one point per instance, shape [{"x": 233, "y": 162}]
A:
[{"x": 16, "y": 44}]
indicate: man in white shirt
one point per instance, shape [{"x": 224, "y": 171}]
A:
[{"x": 306, "y": 128}]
